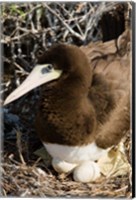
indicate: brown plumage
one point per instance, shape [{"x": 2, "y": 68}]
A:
[
  {"x": 89, "y": 101},
  {"x": 116, "y": 125}
]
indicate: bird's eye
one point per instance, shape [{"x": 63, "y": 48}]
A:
[
  {"x": 46, "y": 69},
  {"x": 49, "y": 67}
]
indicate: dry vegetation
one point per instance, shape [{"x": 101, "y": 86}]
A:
[{"x": 28, "y": 29}]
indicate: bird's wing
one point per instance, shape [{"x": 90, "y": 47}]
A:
[{"x": 112, "y": 59}]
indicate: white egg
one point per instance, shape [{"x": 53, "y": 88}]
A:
[
  {"x": 61, "y": 166},
  {"x": 86, "y": 172}
]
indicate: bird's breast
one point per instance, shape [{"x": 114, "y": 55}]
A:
[
  {"x": 68, "y": 123},
  {"x": 69, "y": 129},
  {"x": 75, "y": 154}
]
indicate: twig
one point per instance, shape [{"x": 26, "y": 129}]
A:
[
  {"x": 71, "y": 16},
  {"x": 19, "y": 146},
  {"x": 64, "y": 23}
]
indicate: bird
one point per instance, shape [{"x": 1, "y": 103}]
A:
[{"x": 84, "y": 106}]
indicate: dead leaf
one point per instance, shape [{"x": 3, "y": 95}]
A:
[{"x": 115, "y": 162}]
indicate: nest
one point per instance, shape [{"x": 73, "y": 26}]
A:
[{"x": 28, "y": 29}]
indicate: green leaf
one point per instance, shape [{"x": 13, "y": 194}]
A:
[{"x": 44, "y": 155}]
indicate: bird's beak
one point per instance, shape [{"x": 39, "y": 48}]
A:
[{"x": 40, "y": 74}]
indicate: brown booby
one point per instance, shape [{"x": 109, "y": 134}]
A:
[{"x": 79, "y": 108}]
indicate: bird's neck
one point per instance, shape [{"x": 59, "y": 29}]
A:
[{"x": 66, "y": 94}]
